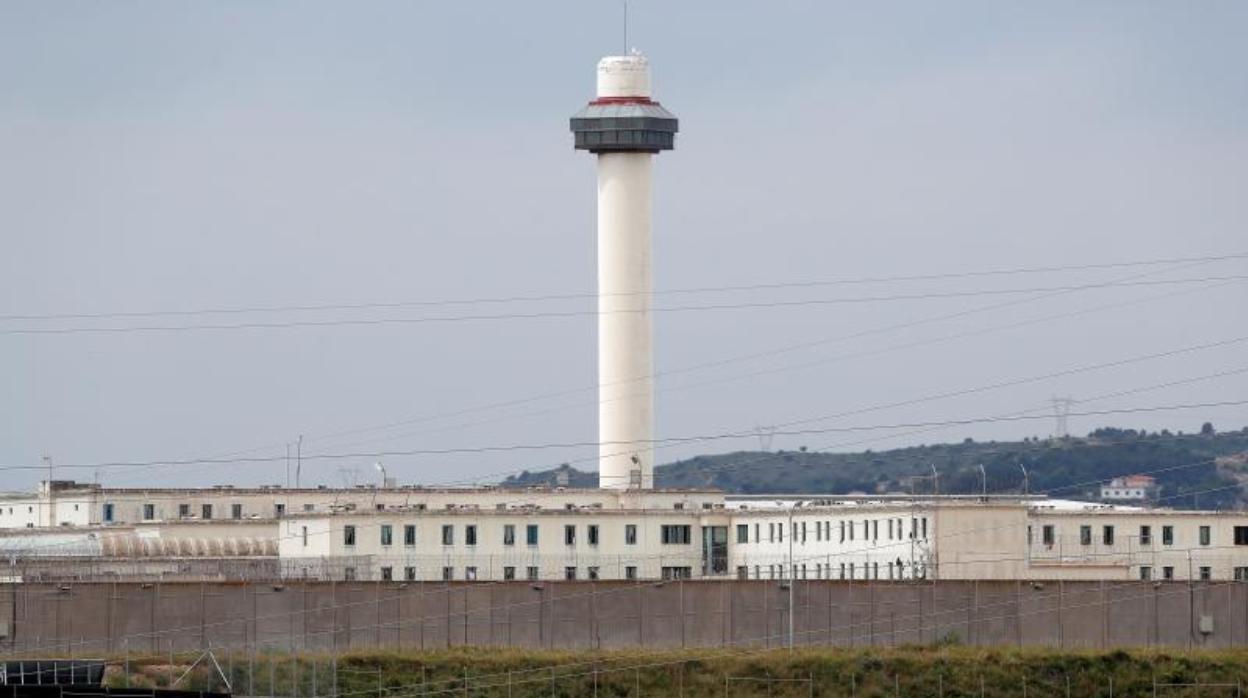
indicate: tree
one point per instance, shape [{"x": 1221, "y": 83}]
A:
[{"x": 1206, "y": 429}]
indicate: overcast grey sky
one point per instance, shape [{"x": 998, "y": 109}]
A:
[{"x": 162, "y": 156}]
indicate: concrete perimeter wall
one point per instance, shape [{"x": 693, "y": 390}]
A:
[{"x": 92, "y": 619}]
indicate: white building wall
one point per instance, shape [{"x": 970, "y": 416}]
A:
[
  {"x": 327, "y": 548},
  {"x": 839, "y": 542}
]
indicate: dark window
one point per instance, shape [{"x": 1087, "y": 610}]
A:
[
  {"x": 1046, "y": 534},
  {"x": 409, "y": 534},
  {"x": 236, "y": 511},
  {"x": 409, "y": 573},
  {"x": 108, "y": 513},
  {"x": 509, "y": 573},
  {"x": 470, "y": 535},
  {"x": 387, "y": 574},
  {"x": 448, "y": 573},
  {"x": 1146, "y": 535},
  {"x": 348, "y": 535},
  {"x": 348, "y": 574},
  {"x": 1241, "y": 574},
  {"x": 1206, "y": 573},
  {"x": 1206, "y": 535},
  {"x": 448, "y": 534},
  {"x": 743, "y": 572},
  {"x": 1146, "y": 572},
  {"x": 630, "y": 534},
  {"x": 279, "y": 510},
  {"x": 569, "y": 573},
  {"x": 743, "y": 533},
  {"x": 630, "y": 572},
  {"x": 470, "y": 573},
  {"x": 1167, "y": 572},
  {"x": 677, "y": 572},
  {"x": 387, "y": 534},
  {"x": 303, "y": 533},
  {"x": 677, "y": 534},
  {"x": 1085, "y": 535},
  {"x": 591, "y": 572},
  {"x": 530, "y": 534},
  {"x": 1241, "y": 535},
  {"x": 206, "y": 511},
  {"x": 1107, "y": 535},
  {"x": 591, "y": 535},
  {"x": 531, "y": 573},
  {"x": 569, "y": 536},
  {"x": 149, "y": 512},
  {"x": 184, "y": 510},
  {"x": 509, "y": 535},
  {"x": 1167, "y": 535}
]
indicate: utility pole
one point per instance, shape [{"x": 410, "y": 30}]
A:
[
  {"x": 298, "y": 460},
  {"x": 792, "y": 570}
]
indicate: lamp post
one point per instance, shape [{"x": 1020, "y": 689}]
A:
[
  {"x": 983, "y": 474},
  {"x": 1026, "y": 480},
  {"x": 792, "y": 569}
]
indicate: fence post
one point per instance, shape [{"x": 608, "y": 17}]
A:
[
  {"x": 465, "y": 681},
  {"x": 170, "y": 662},
  {"x": 127, "y": 641},
  {"x": 1068, "y": 686}
]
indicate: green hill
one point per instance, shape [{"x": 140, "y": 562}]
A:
[{"x": 1204, "y": 470}]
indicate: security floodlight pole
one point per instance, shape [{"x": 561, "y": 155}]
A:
[
  {"x": 624, "y": 128},
  {"x": 935, "y": 478},
  {"x": 381, "y": 469},
  {"x": 983, "y": 474},
  {"x": 1026, "y": 480},
  {"x": 792, "y": 569}
]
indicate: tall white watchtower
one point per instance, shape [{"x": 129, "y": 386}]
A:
[{"x": 625, "y": 128}]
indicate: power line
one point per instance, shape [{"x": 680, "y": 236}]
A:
[
  {"x": 586, "y": 295},
  {"x": 583, "y": 444},
  {"x": 753, "y": 356},
  {"x": 364, "y": 322}
]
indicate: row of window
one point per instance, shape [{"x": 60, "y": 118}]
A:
[
  {"x": 1205, "y": 573},
  {"x": 670, "y": 534},
  {"x": 1048, "y": 535},
  {"x": 531, "y": 573},
  {"x": 206, "y": 511},
  {"x": 894, "y": 529},
  {"x": 869, "y": 570}
]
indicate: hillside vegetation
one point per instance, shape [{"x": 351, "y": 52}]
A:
[{"x": 1193, "y": 470}]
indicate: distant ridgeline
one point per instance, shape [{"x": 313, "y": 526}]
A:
[{"x": 1214, "y": 464}]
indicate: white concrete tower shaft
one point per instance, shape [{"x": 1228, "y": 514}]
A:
[
  {"x": 624, "y": 128},
  {"x": 625, "y": 330}
]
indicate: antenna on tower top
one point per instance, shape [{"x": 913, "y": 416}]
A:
[{"x": 625, "y": 28}]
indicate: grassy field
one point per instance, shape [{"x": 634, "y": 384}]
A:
[{"x": 917, "y": 671}]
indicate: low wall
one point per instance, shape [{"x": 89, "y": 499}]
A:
[{"x": 111, "y": 618}]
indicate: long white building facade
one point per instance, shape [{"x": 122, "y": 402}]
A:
[{"x": 493, "y": 534}]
